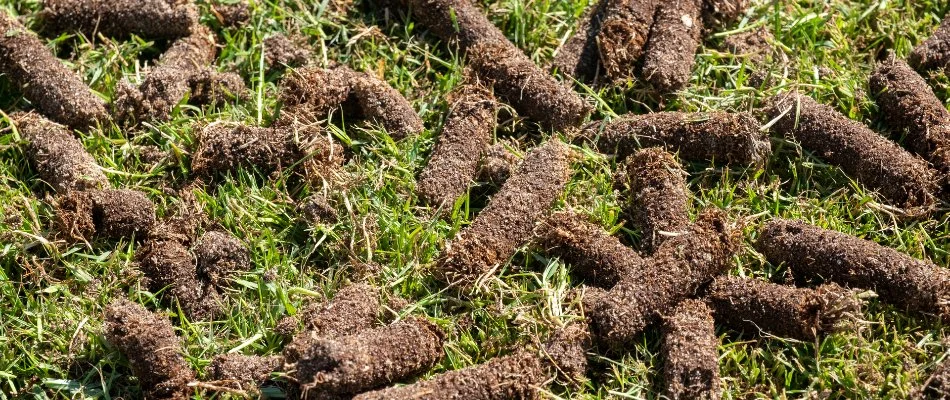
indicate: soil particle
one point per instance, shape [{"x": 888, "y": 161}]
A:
[
  {"x": 579, "y": 57},
  {"x": 220, "y": 255},
  {"x": 691, "y": 362},
  {"x": 309, "y": 94},
  {"x": 623, "y": 35},
  {"x": 168, "y": 264},
  {"x": 242, "y": 372},
  {"x": 508, "y": 220},
  {"x": 719, "y": 14},
  {"x": 232, "y": 15},
  {"x": 532, "y": 92},
  {"x": 912, "y": 108},
  {"x": 281, "y": 51},
  {"x": 902, "y": 179},
  {"x": 937, "y": 385},
  {"x": 317, "y": 209},
  {"x": 74, "y": 216},
  {"x": 153, "y": 19},
  {"x": 59, "y": 158},
  {"x": 458, "y": 22},
  {"x": 53, "y": 89},
  {"x": 368, "y": 360},
  {"x": 753, "y": 306},
  {"x": 595, "y": 256},
  {"x": 724, "y": 137},
  {"x": 352, "y": 310},
  {"x": 565, "y": 352},
  {"x": 755, "y": 44},
  {"x": 108, "y": 213},
  {"x": 656, "y": 196},
  {"x": 671, "y": 50},
  {"x": 215, "y": 88},
  {"x": 148, "y": 341},
  {"x": 934, "y": 53},
  {"x": 465, "y": 136},
  {"x": 678, "y": 268},
  {"x": 497, "y": 164},
  {"x": 516, "y": 376},
  {"x": 381, "y": 103},
  {"x": 815, "y": 253}
]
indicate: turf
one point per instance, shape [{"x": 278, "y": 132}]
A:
[{"x": 52, "y": 295}]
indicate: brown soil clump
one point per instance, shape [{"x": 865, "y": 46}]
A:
[
  {"x": 753, "y": 306},
  {"x": 153, "y": 19},
  {"x": 815, "y": 253},
  {"x": 168, "y": 264},
  {"x": 59, "y": 158},
  {"x": 912, "y": 108},
  {"x": 508, "y": 220},
  {"x": 317, "y": 209},
  {"x": 281, "y": 51},
  {"x": 937, "y": 385},
  {"x": 579, "y": 57},
  {"x": 53, "y": 89},
  {"x": 718, "y": 14},
  {"x": 903, "y": 179},
  {"x": 352, "y": 310},
  {"x": 755, "y": 44},
  {"x": 724, "y": 137},
  {"x": 691, "y": 361},
  {"x": 677, "y": 269},
  {"x": 241, "y": 372},
  {"x": 658, "y": 197},
  {"x": 108, "y": 213},
  {"x": 368, "y": 360},
  {"x": 516, "y": 376},
  {"x": 456, "y": 21},
  {"x": 465, "y": 137},
  {"x": 148, "y": 341},
  {"x": 379, "y": 102},
  {"x": 623, "y": 35},
  {"x": 934, "y": 53},
  {"x": 232, "y": 15},
  {"x": 497, "y": 164},
  {"x": 532, "y": 92},
  {"x": 220, "y": 256},
  {"x": 597, "y": 258},
  {"x": 565, "y": 352},
  {"x": 309, "y": 94},
  {"x": 671, "y": 51}
]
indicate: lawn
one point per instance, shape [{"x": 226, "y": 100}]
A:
[{"x": 53, "y": 293}]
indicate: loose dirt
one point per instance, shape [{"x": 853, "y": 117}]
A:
[
  {"x": 57, "y": 156},
  {"x": 465, "y": 136},
  {"x": 596, "y": 257},
  {"x": 57, "y": 92},
  {"x": 755, "y": 44},
  {"x": 220, "y": 256},
  {"x": 690, "y": 359},
  {"x": 623, "y": 35},
  {"x": 912, "y": 108},
  {"x": 719, "y": 14},
  {"x": 532, "y": 92},
  {"x": 148, "y": 341},
  {"x": 656, "y": 196},
  {"x": 677, "y": 269},
  {"x": 108, "y": 213},
  {"x": 169, "y": 266},
  {"x": 901, "y": 178},
  {"x": 352, "y": 310},
  {"x": 309, "y": 94},
  {"x": 937, "y": 385},
  {"x": 497, "y": 163},
  {"x": 458, "y": 22},
  {"x": 724, "y": 137},
  {"x": 281, "y": 51},
  {"x": 754, "y": 306},
  {"x": 579, "y": 57},
  {"x": 670, "y": 52},
  {"x": 934, "y": 53},
  {"x": 815, "y": 253},
  {"x": 153, "y": 19},
  {"x": 370, "y": 359},
  {"x": 379, "y": 102},
  {"x": 232, "y": 15},
  {"x": 565, "y": 353},
  {"x": 508, "y": 220},
  {"x": 242, "y": 372},
  {"x": 317, "y": 209}
]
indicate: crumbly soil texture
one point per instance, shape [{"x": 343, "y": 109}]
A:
[
  {"x": 458, "y": 22},
  {"x": 565, "y": 352},
  {"x": 57, "y": 156},
  {"x": 107, "y": 213},
  {"x": 656, "y": 197},
  {"x": 352, "y": 310},
  {"x": 282, "y": 51},
  {"x": 719, "y": 14},
  {"x": 242, "y": 372},
  {"x": 220, "y": 256},
  {"x": 813, "y": 253},
  {"x": 690, "y": 358},
  {"x": 232, "y": 15},
  {"x": 623, "y": 35},
  {"x": 933, "y": 55},
  {"x": 498, "y": 163},
  {"x": 579, "y": 57},
  {"x": 671, "y": 50},
  {"x": 937, "y": 385},
  {"x": 168, "y": 265},
  {"x": 152, "y": 19}
]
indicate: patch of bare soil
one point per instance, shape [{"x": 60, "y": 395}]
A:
[
  {"x": 595, "y": 256},
  {"x": 724, "y": 137},
  {"x": 148, "y": 341},
  {"x": 368, "y": 360},
  {"x": 153, "y": 19},
  {"x": 753, "y": 306},
  {"x": 690, "y": 358},
  {"x": 579, "y": 57},
  {"x": 815, "y": 253},
  {"x": 168, "y": 265},
  {"x": 458, "y": 22},
  {"x": 532, "y": 92},
  {"x": 242, "y": 372},
  {"x": 58, "y": 157},
  {"x": 901, "y": 178},
  {"x": 670, "y": 52},
  {"x": 465, "y": 136},
  {"x": 656, "y": 196},
  {"x": 934, "y": 53},
  {"x": 678, "y": 268},
  {"x": 623, "y": 35},
  {"x": 497, "y": 163},
  {"x": 220, "y": 256},
  {"x": 281, "y": 51},
  {"x": 508, "y": 220},
  {"x": 57, "y": 92},
  {"x": 911, "y": 108}
]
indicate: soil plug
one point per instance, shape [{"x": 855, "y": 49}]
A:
[
  {"x": 691, "y": 361},
  {"x": 671, "y": 50},
  {"x": 152, "y": 19},
  {"x": 657, "y": 197}
]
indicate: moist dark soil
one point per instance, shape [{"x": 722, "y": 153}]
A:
[
  {"x": 317, "y": 209},
  {"x": 380, "y": 103},
  {"x": 368, "y": 360},
  {"x": 657, "y": 199},
  {"x": 57, "y": 156},
  {"x": 912, "y": 109},
  {"x": 579, "y": 57},
  {"x": 754, "y": 306},
  {"x": 148, "y": 341},
  {"x": 623, "y": 35},
  {"x": 497, "y": 163},
  {"x": 309, "y": 94},
  {"x": 168, "y": 266},
  {"x": 232, "y": 15},
  {"x": 108, "y": 213},
  {"x": 565, "y": 353},
  {"x": 678, "y": 268},
  {"x": 220, "y": 256},
  {"x": 937, "y": 385},
  {"x": 901, "y": 178},
  {"x": 516, "y": 376},
  {"x": 533, "y": 93},
  {"x": 670, "y": 52},
  {"x": 724, "y": 137},
  {"x": 58, "y": 93},
  {"x": 242, "y": 372},
  {"x": 465, "y": 136},
  {"x": 153, "y": 19},
  {"x": 281, "y": 51},
  {"x": 934, "y": 53},
  {"x": 508, "y": 220},
  {"x": 458, "y": 22},
  {"x": 690, "y": 359},
  {"x": 719, "y": 14},
  {"x": 595, "y": 256},
  {"x": 813, "y": 253}
]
